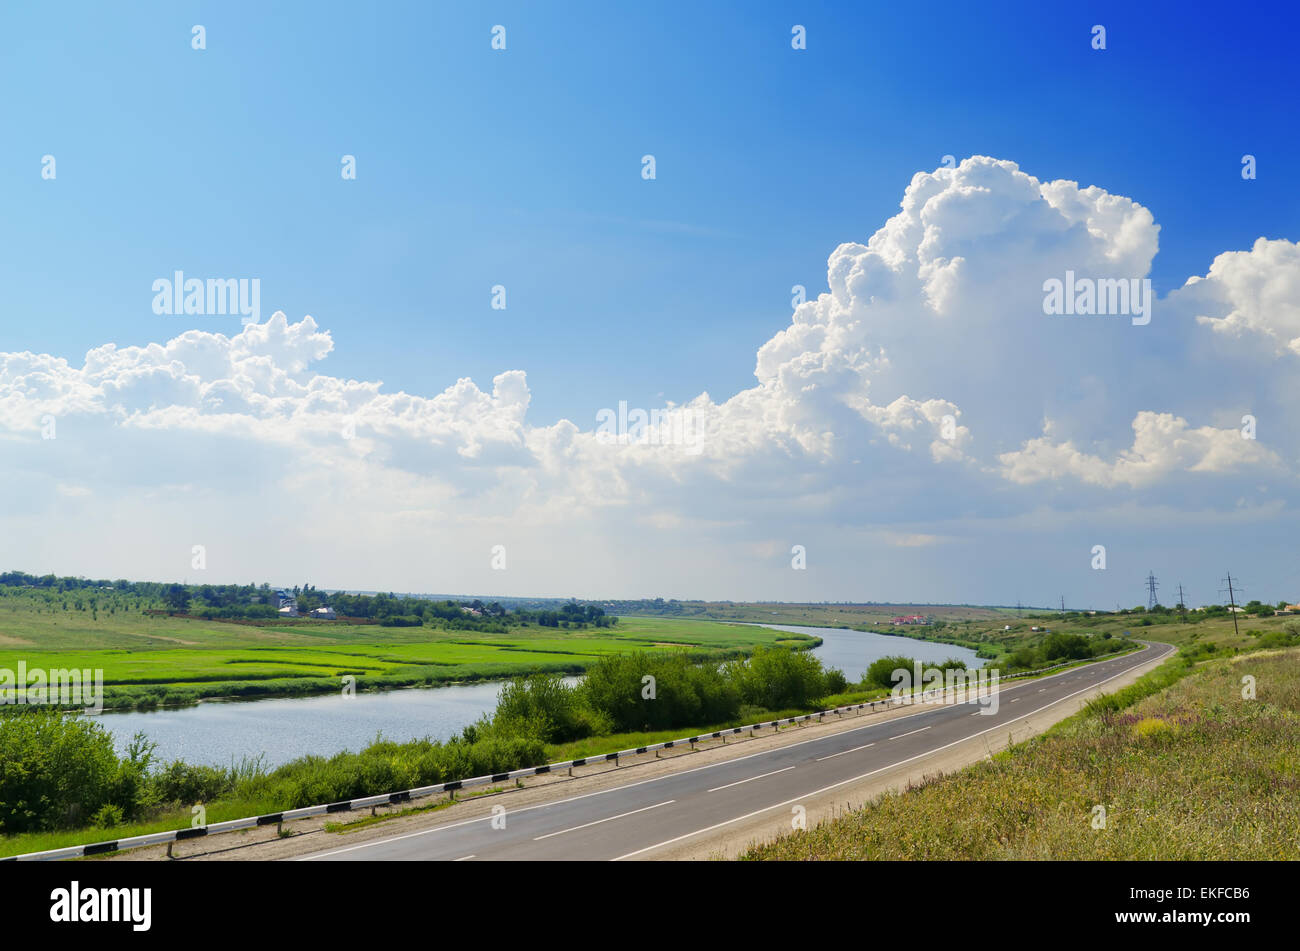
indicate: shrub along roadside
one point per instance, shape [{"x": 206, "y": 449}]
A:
[
  {"x": 881, "y": 671},
  {"x": 1059, "y": 648},
  {"x": 60, "y": 771},
  {"x": 658, "y": 691}
]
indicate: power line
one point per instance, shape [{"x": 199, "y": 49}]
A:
[{"x": 1232, "y": 603}]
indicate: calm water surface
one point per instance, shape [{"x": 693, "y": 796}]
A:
[{"x": 854, "y": 651}]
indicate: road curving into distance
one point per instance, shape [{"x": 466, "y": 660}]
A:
[{"x": 639, "y": 818}]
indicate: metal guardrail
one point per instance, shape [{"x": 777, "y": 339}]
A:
[{"x": 407, "y": 795}]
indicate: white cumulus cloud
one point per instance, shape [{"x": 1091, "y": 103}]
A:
[{"x": 905, "y": 400}]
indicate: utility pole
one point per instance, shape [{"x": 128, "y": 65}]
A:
[
  {"x": 1232, "y": 603},
  {"x": 1062, "y": 604},
  {"x": 1151, "y": 590}
]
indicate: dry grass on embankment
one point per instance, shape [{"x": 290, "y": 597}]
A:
[{"x": 1185, "y": 767}]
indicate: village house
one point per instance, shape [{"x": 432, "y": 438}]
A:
[{"x": 288, "y": 604}]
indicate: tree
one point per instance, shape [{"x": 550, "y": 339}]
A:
[
  {"x": 1065, "y": 646},
  {"x": 177, "y": 598}
]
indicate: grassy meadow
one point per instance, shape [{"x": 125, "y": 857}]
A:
[
  {"x": 1186, "y": 767},
  {"x": 153, "y": 660}
]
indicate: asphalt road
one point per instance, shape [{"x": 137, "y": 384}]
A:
[{"x": 633, "y": 820}]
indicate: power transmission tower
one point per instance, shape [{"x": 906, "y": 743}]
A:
[
  {"x": 1017, "y": 609},
  {"x": 1232, "y": 603},
  {"x": 1182, "y": 603},
  {"x": 1062, "y": 604},
  {"x": 1151, "y": 590}
]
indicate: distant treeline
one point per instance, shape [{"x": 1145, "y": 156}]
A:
[
  {"x": 262, "y": 602},
  {"x": 57, "y": 584}
]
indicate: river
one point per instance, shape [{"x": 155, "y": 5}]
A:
[{"x": 220, "y": 733}]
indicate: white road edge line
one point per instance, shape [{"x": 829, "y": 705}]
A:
[
  {"x": 463, "y": 858},
  {"x": 842, "y": 752},
  {"x": 751, "y": 779},
  {"x": 818, "y": 792},
  {"x": 597, "y": 822}
]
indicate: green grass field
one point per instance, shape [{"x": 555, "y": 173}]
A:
[{"x": 150, "y": 661}]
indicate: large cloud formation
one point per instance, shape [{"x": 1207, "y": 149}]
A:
[{"x": 923, "y": 395}]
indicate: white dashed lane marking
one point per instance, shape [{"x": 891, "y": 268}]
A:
[
  {"x": 901, "y": 735},
  {"x": 842, "y": 752}
]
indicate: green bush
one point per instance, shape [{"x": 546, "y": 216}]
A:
[
  {"x": 836, "y": 682},
  {"x": 108, "y": 816},
  {"x": 1278, "y": 639},
  {"x": 56, "y": 770},
  {"x": 385, "y": 766},
  {"x": 661, "y": 691},
  {"x": 543, "y": 705},
  {"x": 777, "y": 678},
  {"x": 881, "y": 671},
  {"x": 181, "y": 782},
  {"x": 1066, "y": 647},
  {"x": 619, "y": 689},
  {"x": 400, "y": 620},
  {"x": 1023, "y": 659}
]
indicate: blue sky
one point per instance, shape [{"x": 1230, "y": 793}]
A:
[{"x": 522, "y": 168}]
